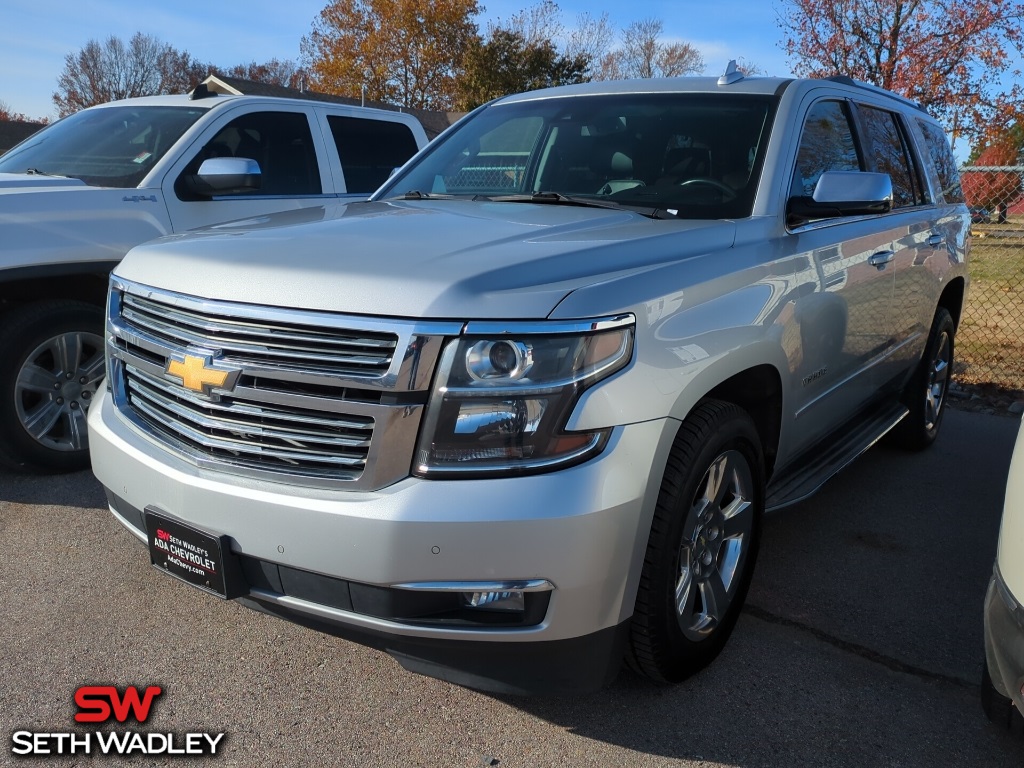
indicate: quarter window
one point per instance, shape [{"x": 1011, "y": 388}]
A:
[
  {"x": 370, "y": 150},
  {"x": 942, "y": 159}
]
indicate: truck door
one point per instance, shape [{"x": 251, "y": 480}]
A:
[
  {"x": 843, "y": 312},
  {"x": 287, "y": 144}
]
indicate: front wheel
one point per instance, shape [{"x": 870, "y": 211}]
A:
[
  {"x": 702, "y": 546},
  {"x": 52, "y": 357}
]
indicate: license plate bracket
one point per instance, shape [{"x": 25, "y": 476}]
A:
[{"x": 197, "y": 557}]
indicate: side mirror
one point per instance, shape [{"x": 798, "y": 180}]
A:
[
  {"x": 844, "y": 193},
  {"x": 225, "y": 176}
]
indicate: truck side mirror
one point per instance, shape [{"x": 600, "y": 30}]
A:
[
  {"x": 843, "y": 193},
  {"x": 225, "y": 176}
]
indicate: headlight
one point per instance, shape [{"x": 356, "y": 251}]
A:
[{"x": 503, "y": 396}]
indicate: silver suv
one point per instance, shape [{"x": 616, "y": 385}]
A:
[{"x": 519, "y": 416}]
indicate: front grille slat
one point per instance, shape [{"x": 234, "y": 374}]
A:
[
  {"x": 241, "y": 428},
  {"x": 203, "y": 323},
  {"x": 290, "y": 347},
  {"x": 311, "y": 423}
]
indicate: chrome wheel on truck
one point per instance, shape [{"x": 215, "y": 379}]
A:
[
  {"x": 53, "y": 355},
  {"x": 925, "y": 394},
  {"x": 702, "y": 546}
]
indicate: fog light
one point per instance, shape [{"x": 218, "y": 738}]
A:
[{"x": 512, "y": 600}]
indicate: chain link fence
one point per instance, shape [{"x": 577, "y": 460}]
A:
[{"x": 990, "y": 342}]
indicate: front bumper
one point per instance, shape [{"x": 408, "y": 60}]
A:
[
  {"x": 583, "y": 529},
  {"x": 1004, "y": 640}
]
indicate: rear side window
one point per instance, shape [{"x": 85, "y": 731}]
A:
[
  {"x": 942, "y": 159},
  {"x": 888, "y": 152},
  {"x": 370, "y": 150},
  {"x": 826, "y": 144}
]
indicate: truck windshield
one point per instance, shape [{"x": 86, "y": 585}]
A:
[
  {"x": 106, "y": 147},
  {"x": 692, "y": 155}
]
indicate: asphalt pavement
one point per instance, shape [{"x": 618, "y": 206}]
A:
[{"x": 861, "y": 644}]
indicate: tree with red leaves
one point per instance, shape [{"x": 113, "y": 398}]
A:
[
  {"x": 949, "y": 55},
  {"x": 994, "y": 190},
  {"x": 6, "y": 113}
]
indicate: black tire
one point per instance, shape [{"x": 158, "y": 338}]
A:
[
  {"x": 678, "y": 626},
  {"x": 926, "y": 392},
  {"x": 999, "y": 709},
  {"x": 52, "y": 355}
]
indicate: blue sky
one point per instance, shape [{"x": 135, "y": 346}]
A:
[{"x": 35, "y": 35}]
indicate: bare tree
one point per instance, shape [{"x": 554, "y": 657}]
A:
[
  {"x": 100, "y": 73},
  {"x": 749, "y": 68},
  {"x": 591, "y": 38},
  {"x": 644, "y": 53},
  {"x": 538, "y": 25},
  {"x": 285, "y": 73}
]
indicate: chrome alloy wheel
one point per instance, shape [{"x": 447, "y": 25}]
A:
[
  {"x": 55, "y": 386},
  {"x": 938, "y": 380},
  {"x": 716, "y": 537}
]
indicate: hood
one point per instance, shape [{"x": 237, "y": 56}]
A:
[
  {"x": 439, "y": 259},
  {"x": 47, "y": 221},
  {"x": 18, "y": 182}
]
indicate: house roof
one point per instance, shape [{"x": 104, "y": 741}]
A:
[{"x": 433, "y": 122}]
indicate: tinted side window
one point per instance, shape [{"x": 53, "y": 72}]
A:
[
  {"x": 945, "y": 164},
  {"x": 826, "y": 144},
  {"x": 280, "y": 142},
  {"x": 370, "y": 150},
  {"x": 888, "y": 153}
]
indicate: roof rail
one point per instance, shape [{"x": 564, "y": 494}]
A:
[{"x": 847, "y": 80}]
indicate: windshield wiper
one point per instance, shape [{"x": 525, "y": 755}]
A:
[
  {"x": 415, "y": 194},
  {"x": 554, "y": 198},
  {"x": 557, "y": 198},
  {"x": 37, "y": 172}
]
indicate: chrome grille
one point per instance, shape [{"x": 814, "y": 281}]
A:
[
  {"x": 250, "y": 342},
  {"x": 320, "y": 399},
  {"x": 248, "y": 434}
]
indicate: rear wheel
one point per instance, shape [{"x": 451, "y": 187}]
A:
[
  {"x": 52, "y": 354},
  {"x": 702, "y": 546},
  {"x": 925, "y": 394}
]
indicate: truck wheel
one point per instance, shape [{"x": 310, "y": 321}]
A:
[
  {"x": 925, "y": 394},
  {"x": 52, "y": 355},
  {"x": 702, "y": 546}
]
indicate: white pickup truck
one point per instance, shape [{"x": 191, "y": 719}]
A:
[{"x": 75, "y": 197}]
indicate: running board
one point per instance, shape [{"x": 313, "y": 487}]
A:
[{"x": 813, "y": 469}]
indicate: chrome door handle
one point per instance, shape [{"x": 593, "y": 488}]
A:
[
  {"x": 881, "y": 258},
  {"x": 936, "y": 241}
]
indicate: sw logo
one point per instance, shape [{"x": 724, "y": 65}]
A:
[
  {"x": 103, "y": 703},
  {"x": 98, "y": 703}
]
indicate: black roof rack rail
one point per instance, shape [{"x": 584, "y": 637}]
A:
[
  {"x": 201, "y": 91},
  {"x": 847, "y": 80}
]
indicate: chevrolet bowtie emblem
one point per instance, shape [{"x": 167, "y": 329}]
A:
[{"x": 199, "y": 375}]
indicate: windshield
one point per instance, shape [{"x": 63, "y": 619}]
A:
[
  {"x": 694, "y": 156},
  {"x": 107, "y": 147}
]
